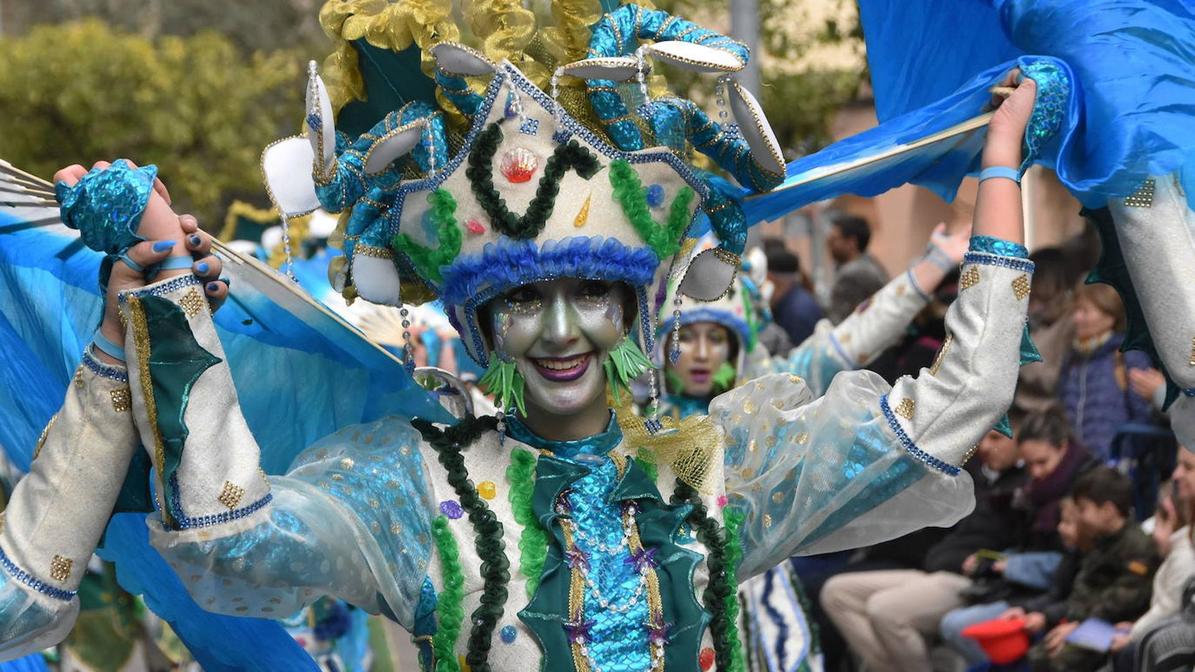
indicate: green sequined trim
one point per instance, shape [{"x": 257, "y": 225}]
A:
[
  {"x": 487, "y": 531},
  {"x": 629, "y": 191},
  {"x": 533, "y": 541},
  {"x": 624, "y": 363},
  {"x": 732, "y": 519},
  {"x": 429, "y": 260},
  {"x": 449, "y": 612}
]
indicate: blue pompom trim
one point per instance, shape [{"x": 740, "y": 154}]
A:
[{"x": 503, "y": 265}]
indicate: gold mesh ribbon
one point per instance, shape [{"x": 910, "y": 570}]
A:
[{"x": 690, "y": 445}]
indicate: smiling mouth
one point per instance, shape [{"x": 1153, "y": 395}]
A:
[{"x": 562, "y": 369}]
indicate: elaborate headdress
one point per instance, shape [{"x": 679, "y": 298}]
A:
[{"x": 507, "y": 182}]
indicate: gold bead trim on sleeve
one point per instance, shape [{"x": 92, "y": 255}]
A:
[
  {"x": 1143, "y": 197},
  {"x": 60, "y": 568},
  {"x": 192, "y": 303},
  {"x": 45, "y": 432},
  {"x": 905, "y": 408},
  {"x": 969, "y": 279},
  {"x": 937, "y": 365},
  {"x": 1020, "y": 287},
  {"x": 122, "y": 399},
  {"x": 231, "y": 495}
]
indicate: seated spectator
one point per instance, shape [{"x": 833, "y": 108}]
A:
[
  {"x": 859, "y": 275},
  {"x": 885, "y": 616},
  {"x": 1173, "y": 535},
  {"x": 793, "y": 307},
  {"x": 1170, "y": 645},
  {"x": 1115, "y": 576},
  {"x": 1026, "y": 572},
  {"x": 1095, "y": 373}
]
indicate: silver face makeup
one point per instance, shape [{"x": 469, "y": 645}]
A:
[
  {"x": 704, "y": 348},
  {"x": 559, "y": 334}
]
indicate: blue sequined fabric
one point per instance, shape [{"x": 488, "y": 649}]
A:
[
  {"x": 993, "y": 245},
  {"x": 618, "y": 638},
  {"x": 1053, "y": 92},
  {"x": 106, "y": 205}
]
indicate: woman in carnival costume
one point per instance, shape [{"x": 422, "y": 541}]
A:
[{"x": 631, "y": 535}]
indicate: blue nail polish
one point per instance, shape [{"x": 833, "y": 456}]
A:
[
  {"x": 202, "y": 267},
  {"x": 163, "y": 245},
  {"x": 195, "y": 240},
  {"x": 213, "y": 287}
]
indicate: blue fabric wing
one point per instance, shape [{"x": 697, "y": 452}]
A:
[{"x": 1132, "y": 69}]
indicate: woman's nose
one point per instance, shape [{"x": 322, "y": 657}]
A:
[{"x": 559, "y": 326}]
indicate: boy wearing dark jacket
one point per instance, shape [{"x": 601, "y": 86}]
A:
[{"x": 1115, "y": 577}]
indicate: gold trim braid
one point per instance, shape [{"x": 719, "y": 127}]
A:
[{"x": 141, "y": 338}]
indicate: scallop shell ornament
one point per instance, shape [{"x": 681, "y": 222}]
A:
[{"x": 519, "y": 165}]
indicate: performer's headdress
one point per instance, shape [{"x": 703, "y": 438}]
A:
[{"x": 509, "y": 180}]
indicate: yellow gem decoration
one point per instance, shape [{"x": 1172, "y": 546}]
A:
[
  {"x": 487, "y": 489},
  {"x": 231, "y": 495},
  {"x": 583, "y": 215},
  {"x": 1192, "y": 362},
  {"x": 905, "y": 408},
  {"x": 122, "y": 399},
  {"x": 79, "y": 378},
  {"x": 60, "y": 568},
  {"x": 970, "y": 278},
  {"x": 1020, "y": 286},
  {"x": 192, "y": 302}
]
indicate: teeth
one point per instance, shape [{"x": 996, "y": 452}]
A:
[{"x": 561, "y": 364}]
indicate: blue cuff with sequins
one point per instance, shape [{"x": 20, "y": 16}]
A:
[
  {"x": 106, "y": 205},
  {"x": 993, "y": 245}
]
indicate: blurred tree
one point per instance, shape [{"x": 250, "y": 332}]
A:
[
  {"x": 196, "y": 106},
  {"x": 259, "y": 25}
]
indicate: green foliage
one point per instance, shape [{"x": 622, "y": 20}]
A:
[{"x": 196, "y": 106}]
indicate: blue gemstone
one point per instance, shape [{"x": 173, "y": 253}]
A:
[
  {"x": 509, "y": 633},
  {"x": 509, "y": 110},
  {"x": 655, "y": 195}
]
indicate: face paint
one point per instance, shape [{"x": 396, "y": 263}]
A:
[
  {"x": 704, "y": 348},
  {"x": 559, "y": 333}
]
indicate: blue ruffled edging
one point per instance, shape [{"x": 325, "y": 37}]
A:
[{"x": 507, "y": 263}]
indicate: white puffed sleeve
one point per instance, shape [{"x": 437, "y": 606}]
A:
[
  {"x": 876, "y": 325},
  {"x": 58, "y": 511},
  {"x": 866, "y": 463},
  {"x": 1156, "y": 231},
  {"x": 346, "y": 521}
]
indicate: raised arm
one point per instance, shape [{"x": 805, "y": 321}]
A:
[
  {"x": 58, "y": 511},
  {"x": 246, "y": 544},
  {"x": 875, "y": 325},
  {"x": 865, "y": 463}
]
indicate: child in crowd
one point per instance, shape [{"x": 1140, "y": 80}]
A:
[{"x": 1114, "y": 579}]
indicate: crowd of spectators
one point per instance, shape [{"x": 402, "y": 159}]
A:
[{"x": 1078, "y": 552}]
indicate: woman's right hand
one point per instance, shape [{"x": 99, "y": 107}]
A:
[
  {"x": 1006, "y": 131},
  {"x": 166, "y": 234}
]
